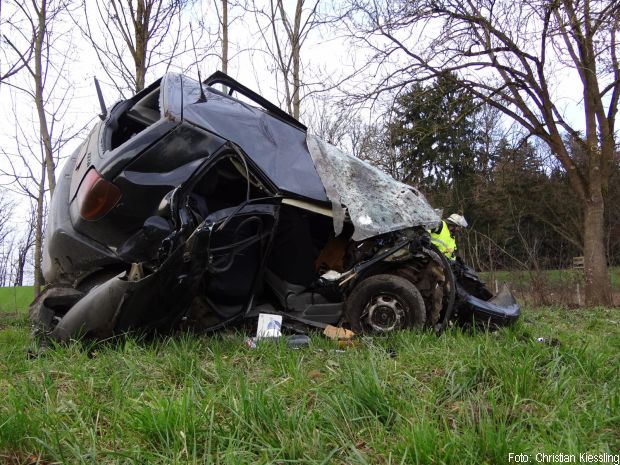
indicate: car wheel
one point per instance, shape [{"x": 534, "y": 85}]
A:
[{"x": 384, "y": 303}]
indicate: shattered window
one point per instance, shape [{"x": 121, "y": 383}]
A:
[{"x": 375, "y": 201}]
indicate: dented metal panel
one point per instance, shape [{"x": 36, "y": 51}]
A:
[
  {"x": 376, "y": 202},
  {"x": 278, "y": 148}
]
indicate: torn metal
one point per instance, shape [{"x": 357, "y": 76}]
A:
[{"x": 375, "y": 202}]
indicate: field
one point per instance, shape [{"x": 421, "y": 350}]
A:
[
  {"x": 15, "y": 298},
  {"x": 550, "y": 287},
  {"x": 553, "y": 277},
  {"x": 461, "y": 398}
]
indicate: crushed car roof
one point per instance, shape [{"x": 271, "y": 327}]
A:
[
  {"x": 301, "y": 164},
  {"x": 278, "y": 148}
]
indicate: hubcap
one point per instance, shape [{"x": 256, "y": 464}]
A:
[{"x": 384, "y": 313}]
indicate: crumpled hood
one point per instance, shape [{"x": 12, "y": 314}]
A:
[{"x": 375, "y": 202}]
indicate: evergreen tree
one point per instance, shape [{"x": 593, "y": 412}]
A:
[{"x": 436, "y": 139}]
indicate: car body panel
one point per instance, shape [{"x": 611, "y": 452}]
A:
[
  {"x": 375, "y": 202},
  {"x": 278, "y": 148}
]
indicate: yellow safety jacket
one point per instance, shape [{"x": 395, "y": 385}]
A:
[{"x": 444, "y": 240}]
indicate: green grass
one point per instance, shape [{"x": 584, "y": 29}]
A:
[
  {"x": 462, "y": 398},
  {"x": 15, "y": 298}
]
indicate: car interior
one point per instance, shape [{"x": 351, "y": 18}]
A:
[{"x": 294, "y": 262}]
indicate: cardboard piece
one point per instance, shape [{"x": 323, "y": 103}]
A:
[
  {"x": 338, "y": 334},
  {"x": 269, "y": 326}
]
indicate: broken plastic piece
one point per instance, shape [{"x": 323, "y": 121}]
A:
[{"x": 296, "y": 341}]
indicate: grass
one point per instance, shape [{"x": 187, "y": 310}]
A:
[
  {"x": 15, "y": 298},
  {"x": 462, "y": 398}
]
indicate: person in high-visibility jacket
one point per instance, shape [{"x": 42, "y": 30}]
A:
[{"x": 443, "y": 235}]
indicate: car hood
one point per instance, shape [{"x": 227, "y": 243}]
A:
[{"x": 375, "y": 202}]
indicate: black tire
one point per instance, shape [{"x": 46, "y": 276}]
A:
[{"x": 384, "y": 303}]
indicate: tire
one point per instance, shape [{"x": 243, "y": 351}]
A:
[{"x": 385, "y": 303}]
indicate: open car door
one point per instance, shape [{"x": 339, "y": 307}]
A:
[{"x": 218, "y": 263}]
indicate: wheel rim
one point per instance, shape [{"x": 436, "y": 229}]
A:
[{"x": 383, "y": 313}]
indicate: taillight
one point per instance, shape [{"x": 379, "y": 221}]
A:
[{"x": 96, "y": 196}]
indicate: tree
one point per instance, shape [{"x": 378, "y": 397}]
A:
[
  {"x": 129, "y": 38},
  {"x": 6, "y": 242},
  {"x": 218, "y": 39},
  {"x": 31, "y": 167},
  {"x": 23, "y": 248},
  {"x": 223, "y": 22},
  {"x": 435, "y": 135},
  {"x": 284, "y": 34},
  {"x": 40, "y": 17},
  {"x": 14, "y": 59},
  {"x": 514, "y": 55},
  {"x": 27, "y": 177}
]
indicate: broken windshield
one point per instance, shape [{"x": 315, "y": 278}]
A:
[{"x": 376, "y": 202}]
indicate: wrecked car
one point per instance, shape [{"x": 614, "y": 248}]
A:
[{"x": 189, "y": 206}]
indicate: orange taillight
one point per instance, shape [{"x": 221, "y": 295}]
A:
[{"x": 96, "y": 196}]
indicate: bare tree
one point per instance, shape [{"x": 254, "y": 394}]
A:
[
  {"x": 44, "y": 65},
  {"x": 329, "y": 121},
  {"x": 223, "y": 23},
  {"x": 283, "y": 34},
  {"x": 6, "y": 240},
  {"x": 26, "y": 242},
  {"x": 514, "y": 55},
  {"x": 23, "y": 171},
  {"x": 6, "y": 215},
  {"x": 30, "y": 168},
  {"x": 130, "y": 37},
  {"x": 14, "y": 60},
  {"x": 26, "y": 177},
  {"x": 210, "y": 39}
]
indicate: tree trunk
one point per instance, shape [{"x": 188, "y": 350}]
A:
[
  {"x": 597, "y": 288},
  {"x": 139, "y": 62},
  {"x": 38, "y": 236},
  {"x": 39, "y": 102},
  {"x": 296, "y": 51},
  {"x": 19, "y": 272},
  {"x": 225, "y": 36}
]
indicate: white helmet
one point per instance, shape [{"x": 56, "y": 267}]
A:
[{"x": 457, "y": 220}]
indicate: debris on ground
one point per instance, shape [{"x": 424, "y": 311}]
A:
[
  {"x": 550, "y": 342},
  {"x": 269, "y": 326},
  {"x": 338, "y": 334}
]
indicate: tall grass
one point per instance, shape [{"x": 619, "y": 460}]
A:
[{"x": 462, "y": 398}]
